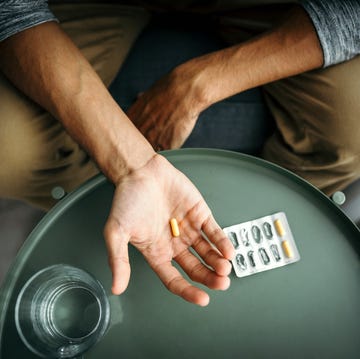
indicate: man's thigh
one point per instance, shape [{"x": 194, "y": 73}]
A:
[
  {"x": 317, "y": 115},
  {"x": 36, "y": 153}
]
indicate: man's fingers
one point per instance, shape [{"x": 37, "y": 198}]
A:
[
  {"x": 217, "y": 236},
  {"x": 117, "y": 245},
  {"x": 212, "y": 257},
  {"x": 176, "y": 284},
  {"x": 200, "y": 273}
]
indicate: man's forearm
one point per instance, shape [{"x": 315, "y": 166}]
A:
[
  {"x": 47, "y": 66},
  {"x": 289, "y": 49}
]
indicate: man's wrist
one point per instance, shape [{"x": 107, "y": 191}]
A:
[
  {"x": 118, "y": 147},
  {"x": 213, "y": 76},
  {"x": 97, "y": 122}
]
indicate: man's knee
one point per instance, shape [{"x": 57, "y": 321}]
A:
[{"x": 317, "y": 116}]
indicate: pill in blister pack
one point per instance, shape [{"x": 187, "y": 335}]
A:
[{"x": 262, "y": 244}]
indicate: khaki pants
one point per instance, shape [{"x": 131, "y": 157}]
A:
[
  {"x": 317, "y": 113},
  {"x": 317, "y": 133},
  {"x": 318, "y": 125}
]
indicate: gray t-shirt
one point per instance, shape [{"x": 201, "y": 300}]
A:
[
  {"x": 19, "y": 15},
  {"x": 337, "y": 23}
]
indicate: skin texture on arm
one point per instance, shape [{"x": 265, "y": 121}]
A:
[
  {"x": 167, "y": 113},
  {"x": 44, "y": 63}
]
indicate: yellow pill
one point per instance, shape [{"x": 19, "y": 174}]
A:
[
  {"x": 287, "y": 249},
  {"x": 279, "y": 228},
  {"x": 174, "y": 227}
]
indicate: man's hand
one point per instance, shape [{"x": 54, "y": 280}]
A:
[
  {"x": 143, "y": 204},
  {"x": 167, "y": 113}
]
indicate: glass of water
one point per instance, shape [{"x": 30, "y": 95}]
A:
[{"x": 61, "y": 312}]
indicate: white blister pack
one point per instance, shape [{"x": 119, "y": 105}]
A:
[{"x": 262, "y": 244}]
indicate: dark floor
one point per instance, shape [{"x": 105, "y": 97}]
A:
[{"x": 16, "y": 222}]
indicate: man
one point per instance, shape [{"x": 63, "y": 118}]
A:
[
  {"x": 44, "y": 64},
  {"x": 39, "y": 58}
]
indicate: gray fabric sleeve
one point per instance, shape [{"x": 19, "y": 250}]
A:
[
  {"x": 337, "y": 23},
  {"x": 19, "y": 15}
]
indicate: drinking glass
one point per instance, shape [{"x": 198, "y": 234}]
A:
[{"x": 61, "y": 312}]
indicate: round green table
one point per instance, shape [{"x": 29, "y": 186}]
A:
[{"x": 309, "y": 309}]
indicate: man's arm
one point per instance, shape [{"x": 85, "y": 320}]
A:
[
  {"x": 175, "y": 102},
  {"x": 289, "y": 49},
  {"x": 44, "y": 63}
]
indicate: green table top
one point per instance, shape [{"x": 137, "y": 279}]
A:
[{"x": 307, "y": 309}]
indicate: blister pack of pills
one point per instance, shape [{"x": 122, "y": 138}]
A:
[{"x": 262, "y": 244}]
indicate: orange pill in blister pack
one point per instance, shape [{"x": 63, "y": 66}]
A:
[
  {"x": 279, "y": 228},
  {"x": 286, "y": 247}
]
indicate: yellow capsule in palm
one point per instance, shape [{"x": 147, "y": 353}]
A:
[{"x": 174, "y": 227}]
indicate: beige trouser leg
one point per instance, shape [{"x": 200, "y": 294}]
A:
[
  {"x": 317, "y": 113},
  {"x": 36, "y": 153},
  {"x": 318, "y": 125}
]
